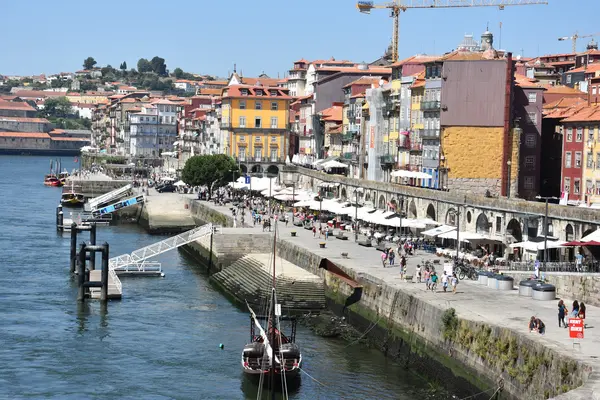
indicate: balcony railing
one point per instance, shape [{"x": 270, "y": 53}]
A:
[
  {"x": 348, "y": 136},
  {"x": 430, "y": 134},
  {"x": 416, "y": 146},
  {"x": 430, "y": 105},
  {"x": 350, "y": 156},
  {"x": 387, "y": 159}
]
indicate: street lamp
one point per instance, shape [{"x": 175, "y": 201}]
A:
[
  {"x": 356, "y": 216},
  {"x": 545, "y": 198}
]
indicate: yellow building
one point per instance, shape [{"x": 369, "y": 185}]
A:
[
  {"x": 88, "y": 97},
  {"x": 417, "y": 92},
  {"x": 255, "y": 123}
]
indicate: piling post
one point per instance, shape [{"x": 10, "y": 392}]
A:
[
  {"x": 104, "y": 274},
  {"x": 93, "y": 243},
  {"x": 81, "y": 273},
  {"x": 58, "y": 223},
  {"x": 60, "y": 220},
  {"x": 73, "y": 247}
]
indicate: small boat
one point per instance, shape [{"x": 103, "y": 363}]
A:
[
  {"x": 52, "y": 180},
  {"x": 272, "y": 354},
  {"x": 72, "y": 199},
  {"x": 63, "y": 176}
]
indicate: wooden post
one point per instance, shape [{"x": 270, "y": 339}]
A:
[
  {"x": 104, "y": 276},
  {"x": 81, "y": 273},
  {"x": 58, "y": 222},
  {"x": 93, "y": 243},
  {"x": 73, "y": 247}
]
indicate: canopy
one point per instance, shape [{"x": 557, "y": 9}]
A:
[
  {"x": 463, "y": 236},
  {"x": 536, "y": 246},
  {"x": 576, "y": 243},
  {"x": 333, "y": 164},
  {"x": 439, "y": 230},
  {"x": 401, "y": 173},
  {"x": 179, "y": 183},
  {"x": 167, "y": 178},
  {"x": 595, "y": 236}
]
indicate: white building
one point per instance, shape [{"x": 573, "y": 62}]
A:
[
  {"x": 183, "y": 84},
  {"x": 153, "y": 130}
]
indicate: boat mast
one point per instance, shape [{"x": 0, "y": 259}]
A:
[{"x": 273, "y": 318}]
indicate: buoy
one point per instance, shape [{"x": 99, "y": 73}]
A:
[{"x": 221, "y": 345}]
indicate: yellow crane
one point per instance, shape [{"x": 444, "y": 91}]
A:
[
  {"x": 402, "y": 5},
  {"x": 575, "y": 37}
]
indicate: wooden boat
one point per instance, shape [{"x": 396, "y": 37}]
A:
[
  {"x": 272, "y": 355},
  {"x": 72, "y": 199},
  {"x": 52, "y": 180}
]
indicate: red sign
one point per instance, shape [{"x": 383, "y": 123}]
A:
[{"x": 576, "y": 328}]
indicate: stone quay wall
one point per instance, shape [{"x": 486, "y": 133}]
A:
[{"x": 485, "y": 355}]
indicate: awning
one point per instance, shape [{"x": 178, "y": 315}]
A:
[
  {"x": 439, "y": 230},
  {"x": 595, "y": 236},
  {"x": 536, "y": 246},
  {"x": 576, "y": 243},
  {"x": 463, "y": 236}
]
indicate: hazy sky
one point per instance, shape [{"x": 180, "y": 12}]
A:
[{"x": 265, "y": 35}]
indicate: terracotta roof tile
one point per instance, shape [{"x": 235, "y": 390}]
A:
[
  {"x": 24, "y": 119},
  {"x": 564, "y": 102},
  {"x": 589, "y": 69},
  {"x": 333, "y": 113},
  {"x": 236, "y": 91},
  {"x": 365, "y": 80},
  {"x": 560, "y": 89},
  {"x": 416, "y": 59},
  {"x": 587, "y": 114},
  {"x": 30, "y": 135}
]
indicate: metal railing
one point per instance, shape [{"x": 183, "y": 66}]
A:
[
  {"x": 116, "y": 280},
  {"x": 387, "y": 159},
  {"x": 430, "y": 133},
  {"x": 430, "y": 105},
  {"x": 560, "y": 266}
]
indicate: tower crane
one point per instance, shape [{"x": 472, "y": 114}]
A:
[
  {"x": 402, "y": 5},
  {"x": 575, "y": 37}
]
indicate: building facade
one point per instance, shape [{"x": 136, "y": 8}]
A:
[{"x": 153, "y": 130}]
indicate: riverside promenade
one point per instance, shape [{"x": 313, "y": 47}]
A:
[{"x": 473, "y": 302}]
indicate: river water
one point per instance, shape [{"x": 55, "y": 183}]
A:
[{"x": 161, "y": 341}]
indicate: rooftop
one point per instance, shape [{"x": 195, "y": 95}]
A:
[{"x": 29, "y": 135}]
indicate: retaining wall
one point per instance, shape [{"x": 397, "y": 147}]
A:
[{"x": 204, "y": 214}]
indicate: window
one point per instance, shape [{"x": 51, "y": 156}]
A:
[
  {"x": 589, "y": 160},
  {"x": 274, "y": 155},
  {"x": 257, "y": 154},
  {"x": 530, "y": 140},
  {"x": 579, "y": 136},
  {"x": 569, "y": 134},
  {"x": 597, "y": 160},
  {"x": 273, "y": 139},
  {"x": 532, "y": 117},
  {"x": 577, "y": 159},
  {"x": 567, "y": 185},
  {"x": 258, "y": 105},
  {"x": 242, "y": 138},
  {"x": 588, "y": 187},
  {"x": 242, "y": 153},
  {"x": 257, "y": 139},
  {"x": 568, "y": 159},
  {"x": 529, "y": 183},
  {"x": 242, "y": 122},
  {"x": 257, "y": 122},
  {"x": 590, "y": 134},
  {"x": 529, "y": 161},
  {"x": 244, "y": 92},
  {"x": 498, "y": 224},
  {"x": 594, "y": 89},
  {"x": 273, "y": 122},
  {"x": 242, "y": 104},
  {"x": 569, "y": 78},
  {"x": 576, "y": 186},
  {"x": 274, "y": 106},
  {"x": 532, "y": 97}
]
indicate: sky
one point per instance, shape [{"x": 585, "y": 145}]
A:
[{"x": 209, "y": 37}]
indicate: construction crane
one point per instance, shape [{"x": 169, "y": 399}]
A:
[
  {"x": 402, "y": 5},
  {"x": 575, "y": 37}
]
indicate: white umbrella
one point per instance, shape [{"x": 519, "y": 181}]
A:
[
  {"x": 179, "y": 183},
  {"x": 333, "y": 164},
  {"x": 167, "y": 178}
]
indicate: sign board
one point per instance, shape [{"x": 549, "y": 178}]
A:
[
  {"x": 117, "y": 206},
  {"x": 576, "y": 328},
  {"x": 372, "y": 138},
  {"x": 247, "y": 181}
]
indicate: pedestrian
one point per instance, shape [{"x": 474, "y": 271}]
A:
[
  {"x": 320, "y": 231},
  {"x": 418, "y": 273},
  {"x": 426, "y": 277},
  {"x": 326, "y": 232},
  {"x": 383, "y": 258},
  {"x": 562, "y": 312},
  {"x": 287, "y": 219},
  {"x": 314, "y": 229},
  {"x": 391, "y": 256},
  {"x": 445, "y": 281},
  {"x": 532, "y": 324},
  {"x": 434, "y": 279},
  {"x": 582, "y": 312},
  {"x": 541, "y": 328},
  {"x": 454, "y": 283},
  {"x": 403, "y": 262},
  {"x": 575, "y": 309}
]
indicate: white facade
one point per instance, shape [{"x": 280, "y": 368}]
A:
[
  {"x": 153, "y": 130},
  {"x": 185, "y": 86}
]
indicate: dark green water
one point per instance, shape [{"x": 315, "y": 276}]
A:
[{"x": 160, "y": 342}]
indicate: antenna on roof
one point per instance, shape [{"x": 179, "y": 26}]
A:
[{"x": 234, "y": 68}]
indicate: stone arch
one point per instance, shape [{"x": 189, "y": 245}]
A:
[
  {"x": 257, "y": 169},
  {"x": 381, "y": 203},
  {"x": 243, "y": 169},
  {"x": 514, "y": 229},
  {"x": 367, "y": 196},
  {"x": 569, "y": 233},
  {"x": 412, "y": 209},
  {"x": 343, "y": 194},
  {"x": 273, "y": 170},
  {"x": 451, "y": 217},
  {"x": 482, "y": 224},
  {"x": 431, "y": 212}
]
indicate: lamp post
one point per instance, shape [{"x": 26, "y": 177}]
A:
[
  {"x": 545, "y": 198},
  {"x": 508, "y": 165},
  {"x": 356, "y": 216}
]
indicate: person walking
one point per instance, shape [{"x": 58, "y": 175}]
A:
[
  {"x": 445, "y": 281},
  {"x": 418, "y": 273},
  {"x": 582, "y": 312},
  {"x": 326, "y": 232},
  {"x": 314, "y": 229},
  {"x": 562, "y": 312},
  {"x": 383, "y": 258},
  {"x": 426, "y": 277},
  {"x": 391, "y": 256},
  {"x": 434, "y": 279},
  {"x": 454, "y": 282}
]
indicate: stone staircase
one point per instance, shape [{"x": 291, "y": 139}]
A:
[{"x": 248, "y": 279}]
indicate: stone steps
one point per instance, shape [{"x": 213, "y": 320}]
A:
[{"x": 248, "y": 279}]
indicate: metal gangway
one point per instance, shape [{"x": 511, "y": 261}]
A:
[
  {"x": 138, "y": 260},
  {"x": 105, "y": 198}
]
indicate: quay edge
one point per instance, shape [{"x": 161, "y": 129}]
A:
[{"x": 483, "y": 354}]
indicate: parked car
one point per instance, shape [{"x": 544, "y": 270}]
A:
[{"x": 169, "y": 187}]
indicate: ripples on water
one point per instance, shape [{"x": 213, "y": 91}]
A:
[{"x": 160, "y": 342}]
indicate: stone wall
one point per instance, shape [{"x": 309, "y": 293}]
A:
[
  {"x": 573, "y": 286},
  {"x": 205, "y": 214},
  {"x": 478, "y": 186}
]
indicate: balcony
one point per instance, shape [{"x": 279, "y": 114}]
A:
[
  {"x": 386, "y": 160},
  {"x": 430, "y": 105},
  {"x": 416, "y": 146},
  {"x": 348, "y": 136},
  {"x": 430, "y": 134},
  {"x": 350, "y": 156}
]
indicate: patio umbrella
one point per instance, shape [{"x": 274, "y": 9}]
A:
[{"x": 179, "y": 183}]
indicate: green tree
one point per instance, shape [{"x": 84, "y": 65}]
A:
[
  {"x": 178, "y": 72},
  {"x": 213, "y": 171},
  {"x": 158, "y": 66},
  {"x": 143, "y": 65},
  {"x": 57, "y": 107},
  {"x": 123, "y": 66},
  {"x": 89, "y": 63}
]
